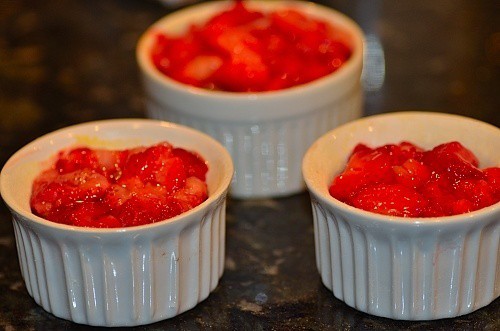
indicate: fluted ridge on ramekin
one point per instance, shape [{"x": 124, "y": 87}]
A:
[
  {"x": 426, "y": 276},
  {"x": 268, "y": 154},
  {"x": 161, "y": 276}
]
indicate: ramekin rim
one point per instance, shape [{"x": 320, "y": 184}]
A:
[
  {"x": 453, "y": 220},
  {"x": 345, "y": 71},
  {"x": 219, "y": 193},
  {"x": 361, "y": 215}
]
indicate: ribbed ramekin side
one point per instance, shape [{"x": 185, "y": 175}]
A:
[
  {"x": 124, "y": 280},
  {"x": 343, "y": 257},
  {"x": 51, "y": 274},
  {"x": 477, "y": 263},
  {"x": 323, "y": 246},
  {"x": 268, "y": 154},
  {"x": 407, "y": 274},
  {"x": 487, "y": 285}
]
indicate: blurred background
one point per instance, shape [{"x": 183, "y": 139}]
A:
[{"x": 66, "y": 62}]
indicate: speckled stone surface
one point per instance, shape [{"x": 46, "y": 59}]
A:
[{"x": 66, "y": 62}]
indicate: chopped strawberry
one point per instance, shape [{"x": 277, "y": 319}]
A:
[
  {"x": 365, "y": 167},
  {"x": 235, "y": 16},
  {"x": 106, "y": 189},
  {"x": 439, "y": 193},
  {"x": 362, "y": 148},
  {"x": 442, "y": 182},
  {"x": 408, "y": 150},
  {"x": 111, "y": 162},
  {"x": 87, "y": 214},
  {"x": 193, "y": 194},
  {"x": 67, "y": 190},
  {"x": 394, "y": 200},
  {"x": 150, "y": 165},
  {"x": 453, "y": 160},
  {"x": 194, "y": 163},
  {"x": 477, "y": 191},
  {"x": 371, "y": 159},
  {"x": 412, "y": 173},
  {"x": 493, "y": 178},
  {"x": 314, "y": 71},
  {"x": 334, "y": 53},
  {"x": 462, "y": 206},
  {"x": 144, "y": 210},
  {"x": 89, "y": 185},
  {"x": 200, "y": 69},
  {"x": 47, "y": 198},
  {"x": 76, "y": 159},
  {"x": 181, "y": 50},
  {"x": 242, "y": 74},
  {"x": 118, "y": 194},
  {"x": 241, "y": 50},
  {"x": 294, "y": 24},
  {"x": 107, "y": 221}
]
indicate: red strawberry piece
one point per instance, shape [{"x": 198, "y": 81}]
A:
[
  {"x": 245, "y": 73},
  {"x": 287, "y": 70},
  {"x": 200, "y": 69},
  {"x": 244, "y": 69},
  {"x": 313, "y": 71},
  {"x": 348, "y": 184},
  {"x": 110, "y": 163},
  {"x": 76, "y": 159},
  {"x": 365, "y": 167},
  {"x": 169, "y": 53},
  {"x": 294, "y": 24},
  {"x": 193, "y": 163},
  {"x": 118, "y": 194},
  {"x": 345, "y": 186},
  {"x": 228, "y": 29},
  {"x": 333, "y": 53},
  {"x": 107, "y": 221},
  {"x": 88, "y": 185},
  {"x": 274, "y": 43},
  {"x": 361, "y": 148},
  {"x": 192, "y": 194},
  {"x": 477, "y": 191},
  {"x": 369, "y": 159},
  {"x": 142, "y": 210},
  {"x": 493, "y": 178},
  {"x": 92, "y": 214},
  {"x": 412, "y": 173},
  {"x": 462, "y": 206},
  {"x": 235, "y": 16},
  {"x": 173, "y": 174},
  {"x": 408, "y": 150},
  {"x": 139, "y": 211},
  {"x": 439, "y": 193},
  {"x": 454, "y": 160},
  {"x": 394, "y": 200},
  {"x": 150, "y": 165},
  {"x": 66, "y": 191},
  {"x": 47, "y": 198},
  {"x": 85, "y": 213}
]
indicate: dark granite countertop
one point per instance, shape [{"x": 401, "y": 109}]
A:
[{"x": 66, "y": 62}]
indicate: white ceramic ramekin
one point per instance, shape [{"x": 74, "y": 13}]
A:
[
  {"x": 266, "y": 133},
  {"x": 125, "y": 276},
  {"x": 404, "y": 268}
]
